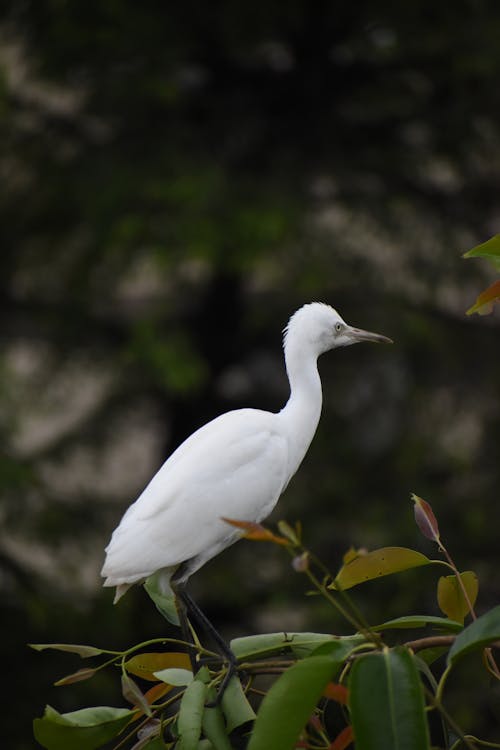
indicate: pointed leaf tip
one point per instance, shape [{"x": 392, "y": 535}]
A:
[
  {"x": 73, "y": 648},
  {"x": 486, "y": 300},
  {"x": 489, "y": 249},
  {"x": 79, "y": 676},
  {"x": 425, "y": 519}
]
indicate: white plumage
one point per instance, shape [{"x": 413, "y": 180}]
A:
[{"x": 236, "y": 466}]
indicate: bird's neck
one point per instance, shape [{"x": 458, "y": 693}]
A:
[{"x": 303, "y": 409}]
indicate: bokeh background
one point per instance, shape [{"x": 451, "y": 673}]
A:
[{"x": 178, "y": 178}]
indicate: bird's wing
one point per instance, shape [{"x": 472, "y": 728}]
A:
[{"x": 233, "y": 467}]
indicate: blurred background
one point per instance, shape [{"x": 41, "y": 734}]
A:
[{"x": 176, "y": 180}]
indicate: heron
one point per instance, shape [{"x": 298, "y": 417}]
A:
[{"x": 236, "y": 466}]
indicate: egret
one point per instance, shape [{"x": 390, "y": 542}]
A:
[{"x": 236, "y": 466}]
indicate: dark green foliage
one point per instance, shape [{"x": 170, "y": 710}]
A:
[{"x": 328, "y": 691}]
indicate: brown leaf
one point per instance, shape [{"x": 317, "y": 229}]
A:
[
  {"x": 133, "y": 694},
  {"x": 485, "y": 301},
  {"x": 82, "y": 674},
  {"x": 256, "y": 532},
  {"x": 425, "y": 519}
]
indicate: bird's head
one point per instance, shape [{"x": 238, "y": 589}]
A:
[{"x": 322, "y": 328}]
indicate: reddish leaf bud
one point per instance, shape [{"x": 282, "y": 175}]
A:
[
  {"x": 425, "y": 519},
  {"x": 301, "y": 562}
]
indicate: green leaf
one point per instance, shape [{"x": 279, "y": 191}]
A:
[
  {"x": 213, "y": 725},
  {"x": 175, "y": 676},
  {"x": 420, "y": 621},
  {"x": 378, "y": 563},
  {"x": 191, "y": 714},
  {"x": 165, "y": 603},
  {"x": 386, "y": 702},
  {"x": 86, "y": 729},
  {"x": 489, "y": 249},
  {"x": 478, "y": 634},
  {"x": 301, "y": 644},
  {"x": 451, "y": 598},
  {"x": 290, "y": 701},
  {"x": 235, "y": 706},
  {"x": 84, "y": 651}
]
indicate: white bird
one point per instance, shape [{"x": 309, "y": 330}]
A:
[{"x": 235, "y": 466}]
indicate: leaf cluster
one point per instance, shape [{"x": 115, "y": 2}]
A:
[{"x": 319, "y": 691}]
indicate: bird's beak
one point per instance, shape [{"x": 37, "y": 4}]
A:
[{"x": 357, "y": 334}]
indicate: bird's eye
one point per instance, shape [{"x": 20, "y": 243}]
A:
[{"x": 338, "y": 327}]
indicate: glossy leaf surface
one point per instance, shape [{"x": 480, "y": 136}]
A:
[
  {"x": 480, "y": 633},
  {"x": 376, "y": 564},
  {"x": 292, "y": 698},
  {"x": 386, "y": 702}
]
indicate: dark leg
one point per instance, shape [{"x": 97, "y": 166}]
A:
[
  {"x": 187, "y": 605},
  {"x": 180, "y": 605}
]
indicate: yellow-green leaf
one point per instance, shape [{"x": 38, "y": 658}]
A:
[
  {"x": 144, "y": 665},
  {"x": 489, "y": 249},
  {"x": 378, "y": 563},
  {"x": 451, "y": 598}
]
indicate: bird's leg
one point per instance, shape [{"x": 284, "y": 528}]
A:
[
  {"x": 189, "y": 605},
  {"x": 187, "y": 636}
]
